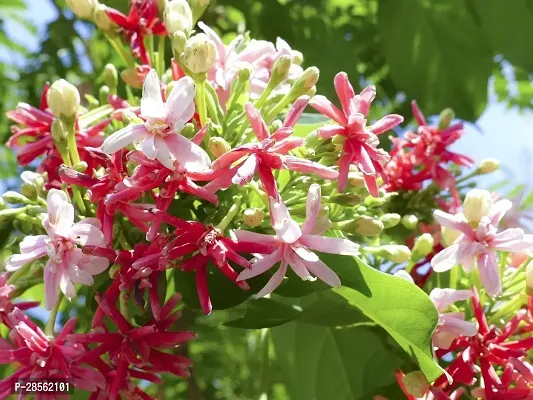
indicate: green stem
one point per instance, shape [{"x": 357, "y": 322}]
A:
[
  {"x": 150, "y": 45},
  {"x": 123, "y": 304},
  {"x": 454, "y": 272},
  {"x": 51, "y": 323},
  {"x": 161, "y": 55},
  {"x": 261, "y": 100},
  {"x": 230, "y": 215},
  {"x": 277, "y": 108},
  {"x": 200, "y": 101},
  {"x": 12, "y": 280},
  {"x": 512, "y": 306},
  {"x": 78, "y": 200},
  {"x": 121, "y": 50},
  {"x": 71, "y": 140}
]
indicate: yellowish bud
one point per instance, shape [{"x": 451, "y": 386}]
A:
[
  {"x": 368, "y": 226},
  {"x": 488, "y": 165},
  {"x": 218, "y": 146},
  {"x": 253, "y": 217},
  {"x": 477, "y": 205},
  {"x": 82, "y": 8},
  {"x": 178, "y": 16},
  {"x": 446, "y": 117},
  {"x": 63, "y": 99},
  {"x": 416, "y": 384},
  {"x": 199, "y": 53},
  {"x": 423, "y": 246},
  {"x": 392, "y": 252},
  {"x": 280, "y": 70},
  {"x": 390, "y": 220},
  {"x": 449, "y": 236},
  {"x": 131, "y": 77},
  {"x": 409, "y": 221}
]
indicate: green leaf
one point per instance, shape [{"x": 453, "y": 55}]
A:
[
  {"x": 322, "y": 363},
  {"x": 437, "y": 55},
  {"x": 265, "y": 313},
  {"x": 308, "y": 123},
  {"x": 398, "y": 306}
]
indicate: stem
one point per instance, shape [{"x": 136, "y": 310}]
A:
[
  {"x": 123, "y": 304},
  {"x": 453, "y": 277},
  {"x": 51, "y": 323},
  {"x": 161, "y": 56},
  {"x": 150, "y": 43},
  {"x": 512, "y": 306},
  {"x": 230, "y": 215},
  {"x": 18, "y": 273},
  {"x": 78, "y": 200},
  {"x": 71, "y": 140},
  {"x": 119, "y": 48},
  {"x": 278, "y": 107},
  {"x": 200, "y": 101},
  {"x": 261, "y": 100}
]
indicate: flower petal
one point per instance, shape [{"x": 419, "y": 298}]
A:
[
  {"x": 323, "y": 272},
  {"x": 54, "y": 200},
  {"x": 312, "y": 208},
  {"x": 330, "y": 245},
  {"x": 455, "y": 222},
  {"x": 328, "y": 131},
  {"x": 274, "y": 282},
  {"x": 246, "y": 171},
  {"x": 32, "y": 243},
  {"x": 326, "y": 107},
  {"x": 344, "y": 91},
  {"x": 256, "y": 121},
  {"x": 446, "y": 259},
  {"x": 304, "y": 253},
  {"x": 386, "y": 123},
  {"x": 260, "y": 265},
  {"x": 498, "y": 210},
  {"x": 191, "y": 156},
  {"x": 16, "y": 261},
  {"x": 490, "y": 274},
  {"x": 51, "y": 285},
  {"x": 286, "y": 228},
  {"x": 123, "y": 137},
  {"x": 87, "y": 234},
  {"x": 152, "y": 105},
  {"x": 247, "y": 236},
  {"x": 309, "y": 167},
  {"x": 298, "y": 267},
  {"x": 180, "y": 100},
  {"x": 148, "y": 147},
  {"x": 442, "y": 298}
]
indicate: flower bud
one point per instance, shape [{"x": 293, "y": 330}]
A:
[
  {"x": 390, "y": 220},
  {"x": 416, "y": 384},
  {"x": 178, "y": 16},
  {"x": 111, "y": 77},
  {"x": 368, "y": 226},
  {"x": 33, "y": 178},
  {"x": 80, "y": 167},
  {"x": 423, "y": 246},
  {"x": 63, "y": 99},
  {"x": 297, "y": 57},
  {"x": 449, "y": 236},
  {"x": 488, "y": 165},
  {"x": 305, "y": 82},
  {"x": 188, "y": 130},
  {"x": 477, "y": 204},
  {"x": 346, "y": 199},
  {"x": 280, "y": 70},
  {"x": 8, "y": 213},
  {"x": 28, "y": 191},
  {"x": 179, "y": 39},
  {"x": 392, "y": 252},
  {"x": 244, "y": 74},
  {"x": 218, "y": 146},
  {"x": 409, "y": 221},
  {"x": 131, "y": 77},
  {"x": 82, "y": 8},
  {"x": 59, "y": 130},
  {"x": 253, "y": 217},
  {"x": 12, "y": 197},
  {"x": 199, "y": 53},
  {"x": 103, "y": 94},
  {"x": 371, "y": 201},
  {"x": 356, "y": 179},
  {"x": 445, "y": 118},
  {"x": 101, "y": 19}
]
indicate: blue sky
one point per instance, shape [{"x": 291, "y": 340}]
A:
[{"x": 499, "y": 132}]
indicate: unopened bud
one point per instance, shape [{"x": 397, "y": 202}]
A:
[
  {"x": 477, "y": 205},
  {"x": 33, "y": 178},
  {"x": 449, "y": 236},
  {"x": 280, "y": 70},
  {"x": 8, "y": 213},
  {"x": 218, "y": 146},
  {"x": 59, "y": 130},
  {"x": 368, "y": 226},
  {"x": 80, "y": 167},
  {"x": 305, "y": 82},
  {"x": 253, "y": 217},
  {"x": 371, "y": 201},
  {"x": 445, "y": 118},
  {"x": 346, "y": 199},
  {"x": 131, "y": 77},
  {"x": 63, "y": 99},
  {"x": 103, "y": 94},
  {"x": 12, "y": 197},
  {"x": 178, "y": 16},
  {"x": 82, "y": 8},
  {"x": 28, "y": 191},
  {"x": 101, "y": 19},
  {"x": 390, "y": 220},
  {"x": 488, "y": 165},
  {"x": 311, "y": 92},
  {"x": 297, "y": 57},
  {"x": 179, "y": 39},
  {"x": 392, "y": 252},
  {"x": 338, "y": 140},
  {"x": 423, "y": 246},
  {"x": 409, "y": 221},
  {"x": 244, "y": 74},
  {"x": 356, "y": 179},
  {"x": 416, "y": 384},
  {"x": 111, "y": 77},
  {"x": 188, "y": 130},
  {"x": 199, "y": 53}
]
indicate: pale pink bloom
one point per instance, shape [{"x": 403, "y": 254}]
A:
[
  {"x": 451, "y": 324},
  {"x": 67, "y": 264},
  {"x": 360, "y": 146},
  {"x": 478, "y": 245},
  {"x": 159, "y": 136},
  {"x": 519, "y": 216},
  {"x": 294, "y": 245}
]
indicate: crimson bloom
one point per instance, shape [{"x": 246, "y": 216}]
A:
[
  {"x": 239, "y": 165},
  {"x": 141, "y": 20},
  {"x": 361, "y": 141}
]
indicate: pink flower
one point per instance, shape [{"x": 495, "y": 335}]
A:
[
  {"x": 361, "y": 141},
  {"x": 36, "y": 355},
  {"x": 451, "y": 324},
  {"x": 271, "y": 152},
  {"x": 67, "y": 264},
  {"x": 159, "y": 136},
  {"x": 478, "y": 244},
  {"x": 294, "y": 244}
]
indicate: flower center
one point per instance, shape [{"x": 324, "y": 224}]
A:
[
  {"x": 57, "y": 247},
  {"x": 158, "y": 127}
]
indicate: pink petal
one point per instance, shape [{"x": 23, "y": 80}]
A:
[
  {"x": 163, "y": 153},
  {"x": 66, "y": 286},
  {"x": 152, "y": 105},
  {"x": 87, "y": 234},
  {"x": 455, "y": 322},
  {"x": 286, "y": 228},
  {"x": 296, "y": 111},
  {"x": 323, "y": 272},
  {"x": 16, "y": 261},
  {"x": 455, "y": 222},
  {"x": 312, "y": 208},
  {"x": 326, "y": 107},
  {"x": 310, "y": 167},
  {"x": 329, "y": 131},
  {"x": 260, "y": 266},
  {"x": 371, "y": 184},
  {"x": 54, "y": 200},
  {"x": 490, "y": 274},
  {"x": 447, "y": 258},
  {"x": 191, "y": 156},
  {"x": 298, "y": 267},
  {"x": 180, "y": 103},
  {"x": 386, "y": 123},
  {"x": 274, "y": 282},
  {"x": 64, "y": 220},
  {"x": 256, "y": 50},
  {"x": 344, "y": 91},
  {"x": 303, "y": 252},
  {"x": 81, "y": 276},
  {"x": 285, "y": 145},
  {"x": 512, "y": 240},
  {"x": 420, "y": 119},
  {"x": 94, "y": 265},
  {"x": 256, "y": 121},
  {"x": 221, "y": 48},
  {"x": 51, "y": 285},
  {"x": 123, "y": 137},
  {"x": 442, "y": 298},
  {"x": 330, "y": 245},
  {"x": 362, "y": 159},
  {"x": 246, "y": 171},
  {"x": 148, "y": 147},
  {"x": 227, "y": 159},
  {"x": 247, "y": 236},
  {"x": 361, "y": 102},
  {"x": 31, "y": 243},
  {"x": 498, "y": 210}
]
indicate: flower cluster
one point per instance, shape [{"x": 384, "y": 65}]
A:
[{"x": 201, "y": 179}]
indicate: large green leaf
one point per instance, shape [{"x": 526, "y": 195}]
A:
[
  {"x": 323, "y": 363},
  {"x": 398, "y": 306},
  {"x": 437, "y": 54}
]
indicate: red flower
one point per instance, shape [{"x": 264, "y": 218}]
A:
[{"x": 141, "y": 20}]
